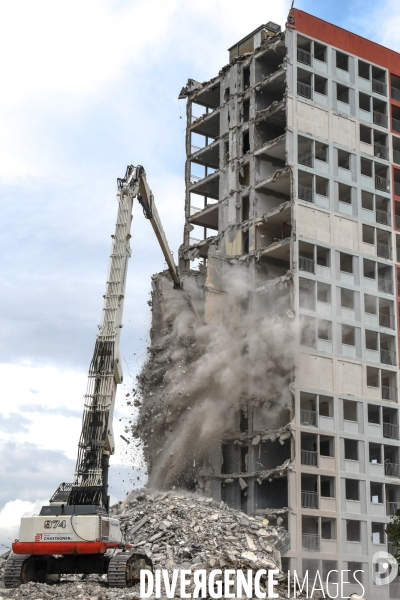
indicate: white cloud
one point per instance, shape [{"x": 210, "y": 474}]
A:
[
  {"x": 10, "y": 517},
  {"x": 64, "y": 59},
  {"x": 49, "y": 426}
]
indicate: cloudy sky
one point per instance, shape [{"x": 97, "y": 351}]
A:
[{"x": 88, "y": 87}]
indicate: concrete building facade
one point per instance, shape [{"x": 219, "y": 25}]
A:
[{"x": 293, "y": 166}]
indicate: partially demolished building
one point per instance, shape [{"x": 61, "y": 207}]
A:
[{"x": 293, "y": 178}]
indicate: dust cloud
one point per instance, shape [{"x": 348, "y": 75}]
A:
[{"x": 200, "y": 373}]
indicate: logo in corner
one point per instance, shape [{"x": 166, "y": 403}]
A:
[
  {"x": 38, "y": 537},
  {"x": 384, "y": 568}
]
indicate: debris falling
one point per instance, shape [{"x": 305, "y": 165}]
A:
[{"x": 198, "y": 377}]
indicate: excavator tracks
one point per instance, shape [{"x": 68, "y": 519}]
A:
[
  {"x": 124, "y": 568},
  {"x": 13, "y": 569}
]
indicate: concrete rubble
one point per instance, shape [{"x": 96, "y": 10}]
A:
[{"x": 177, "y": 531}]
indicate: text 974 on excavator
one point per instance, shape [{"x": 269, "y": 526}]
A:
[{"x": 74, "y": 534}]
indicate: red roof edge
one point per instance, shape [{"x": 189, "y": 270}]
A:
[{"x": 344, "y": 40}]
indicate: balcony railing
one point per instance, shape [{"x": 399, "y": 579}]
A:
[
  {"x": 386, "y": 320},
  {"x": 194, "y": 148},
  {"x": 309, "y": 499},
  {"x": 390, "y": 430},
  {"x": 396, "y": 124},
  {"x": 311, "y": 541},
  {"x": 304, "y": 57},
  {"x": 380, "y": 119},
  {"x": 305, "y": 90},
  {"x": 308, "y": 417},
  {"x": 383, "y": 250},
  {"x": 379, "y": 87},
  {"x": 395, "y": 93},
  {"x": 195, "y": 209},
  {"x": 381, "y": 151},
  {"x": 306, "y": 264},
  {"x": 381, "y": 183},
  {"x": 382, "y": 217},
  {"x": 391, "y": 509},
  {"x": 397, "y": 188},
  {"x": 195, "y": 178},
  {"x": 306, "y": 159},
  {"x": 392, "y": 469},
  {"x": 309, "y": 458},
  {"x": 389, "y": 393},
  {"x": 305, "y": 193},
  {"x": 396, "y": 157},
  {"x": 385, "y": 285},
  {"x": 388, "y": 357}
]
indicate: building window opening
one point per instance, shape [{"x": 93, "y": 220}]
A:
[
  {"x": 352, "y": 489},
  {"x": 323, "y": 256},
  {"x": 374, "y": 414},
  {"x": 364, "y": 70},
  {"x": 347, "y": 298},
  {"x": 348, "y": 335},
  {"x": 321, "y": 152},
  {"x": 246, "y": 110},
  {"x": 346, "y": 263},
  {"x": 326, "y": 447},
  {"x": 368, "y": 235},
  {"x": 344, "y": 193},
  {"x": 327, "y": 487},
  {"x": 342, "y": 93},
  {"x": 246, "y": 142},
  {"x": 246, "y": 77},
  {"x": 366, "y": 167},
  {"x": 353, "y": 531},
  {"x": 365, "y": 134},
  {"x": 319, "y": 52},
  {"x": 378, "y": 533},
  {"x": 350, "y": 410},
  {"x": 351, "y": 449},
  {"x": 342, "y": 61},
  {"x": 375, "y": 454},
  {"x": 323, "y": 292},
  {"x": 320, "y": 85},
  {"x": 344, "y": 159},
  {"x": 376, "y": 493}
]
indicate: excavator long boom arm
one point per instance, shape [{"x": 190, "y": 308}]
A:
[
  {"x": 146, "y": 199},
  {"x": 96, "y": 442}
]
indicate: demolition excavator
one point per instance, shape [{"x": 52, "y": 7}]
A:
[{"x": 75, "y": 533}]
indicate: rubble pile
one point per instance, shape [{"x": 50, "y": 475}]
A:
[{"x": 179, "y": 531}]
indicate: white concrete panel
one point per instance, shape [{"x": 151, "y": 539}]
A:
[
  {"x": 366, "y": 148},
  {"x": 343, "y": 131},
  {"x": 345, "y": 233},
  {"x": 368, "y": 249},
  {"x": 311, "y": 120},
  {"x": 314, "y": 224},
  {"x": 315, "y": 372},
  {"x": 377, "y": 510},
  {"x": 349, "y": 378}
]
